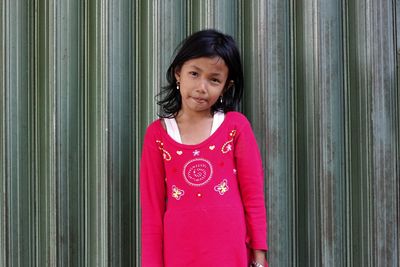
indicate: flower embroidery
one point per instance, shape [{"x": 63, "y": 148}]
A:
[
  {"x": 196, "y": 153},
  {"x": 166, "y": 154},
  {"x": 177, "y": 193},
  {"x": 222, "y": 188},
  {"x": 227, "y": 146}
]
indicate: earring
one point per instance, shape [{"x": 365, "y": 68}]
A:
[
  {"x": 177, "y": 85},
  {"x": 220, "y": 99}
]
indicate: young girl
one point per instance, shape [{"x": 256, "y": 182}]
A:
[{"x": 201, "y": 176}]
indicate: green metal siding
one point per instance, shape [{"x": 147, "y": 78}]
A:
[{"x": 78, "y": 81}]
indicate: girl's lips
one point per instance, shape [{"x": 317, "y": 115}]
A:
[{"x": 199, "y": 100}]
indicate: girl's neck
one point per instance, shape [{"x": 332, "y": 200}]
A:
[
  {"x": 194, "y": 128},
  {"x": 193, "y": 116}
]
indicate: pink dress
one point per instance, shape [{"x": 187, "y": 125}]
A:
[{"x": 202, "y": 205}]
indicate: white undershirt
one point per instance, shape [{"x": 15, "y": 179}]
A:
[{"x": 173, "y": 130}]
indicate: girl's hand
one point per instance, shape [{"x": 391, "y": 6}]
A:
[{"x": 259, "y": 256}]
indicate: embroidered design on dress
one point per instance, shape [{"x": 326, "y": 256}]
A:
[
  {"x": 211, "y": 147},
  {"x": 166, "y": 154},
  {"x": 177, "y": 193},
  {"x": 179, "y": 152},
  {"x": 227, "y": 146},
  {"x": 197, "y": 172},
  {"x": 196, "y": 153},
  {"x": 222, "y": 188}
]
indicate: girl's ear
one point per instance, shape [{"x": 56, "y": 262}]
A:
[
  {"x": 177, "y": 74},
  {"x": 229, "y": 85}
]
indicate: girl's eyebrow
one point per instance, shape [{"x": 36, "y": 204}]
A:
[{"x": 199, "y": 69}]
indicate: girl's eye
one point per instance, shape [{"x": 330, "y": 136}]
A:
[
  {"x": 216, "y": 81},
  {"x": 193, "y": 73}
]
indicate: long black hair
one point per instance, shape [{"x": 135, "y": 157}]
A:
[{"x": 205, "y": 43}]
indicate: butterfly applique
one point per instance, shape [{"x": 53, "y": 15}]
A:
[
  {"x": 177, "y": 193},
  {"x": 222, "y": 188}
]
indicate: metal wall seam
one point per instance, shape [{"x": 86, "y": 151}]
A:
[
  {"x": 46, "y": 155},
  {"x": 84, "y": 132},
  {"x": 3, "y": 135},
  {"x": 346, "y": 120},
  {"x": 396, "y": 14},
  {"x": 135, "y": 121}
]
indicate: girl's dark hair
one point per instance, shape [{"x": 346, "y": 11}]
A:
[{"x": 205, "y": 43}]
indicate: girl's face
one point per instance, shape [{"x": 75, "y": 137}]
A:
[{"x": 202, "y": 81}]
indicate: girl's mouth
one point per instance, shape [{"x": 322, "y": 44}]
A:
[{"x": 199, "y": 100}]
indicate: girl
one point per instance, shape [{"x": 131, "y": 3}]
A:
[{"x": 201, "y": 177}]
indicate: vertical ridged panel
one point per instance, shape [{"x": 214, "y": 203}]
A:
[
  {"x": 44, "y": 154},
  {"x": 69, "y": 85},
  {"x": 78, "y": 84},
  {"x": 97, "y": 135},
  {"x": 374, "y": 134},
  {"x": 359, "y": 145},
  {"x": 121, "y": 141},
  {"x": 320, "y": 133},
  {"x": 159, "y": 28},
  {"x": 222, "y": 15},
  {"x": 3, "y": 202},
  {"x": 397, "y": 115},
  {"x": 16, "y": 194},
  {"x": 383, "y": 111},
  {"x": 267, "y": 29},
  {"x": 278, "y": 110}
]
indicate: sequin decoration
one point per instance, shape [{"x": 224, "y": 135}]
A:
[
  {"x": 227, "y": 146},
  {"x": 177, "y": 193},
  {"x": 222, "y": 188},
  {"x": 166, "y": 154}
]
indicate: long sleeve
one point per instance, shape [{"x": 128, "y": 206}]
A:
[
  {"x": 152, "y": 196},
  {"x": 251, "y": 184}
]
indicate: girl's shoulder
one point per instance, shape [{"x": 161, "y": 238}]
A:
[
  {"x": 236, "y": 115},
  {"x": 154, "y": 128},
  {"x": 237, "y": 118},
  {"x": 239, "y": 122}
]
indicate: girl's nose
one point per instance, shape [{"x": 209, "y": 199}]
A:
[{"x": 202, "y": 88}]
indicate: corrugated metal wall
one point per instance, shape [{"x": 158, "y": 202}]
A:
[{"x": 78, "y": 80}]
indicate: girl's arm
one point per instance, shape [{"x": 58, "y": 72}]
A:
[
  {"x": 251, "y": 183},
  {"x": 152, "y": 196}
]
